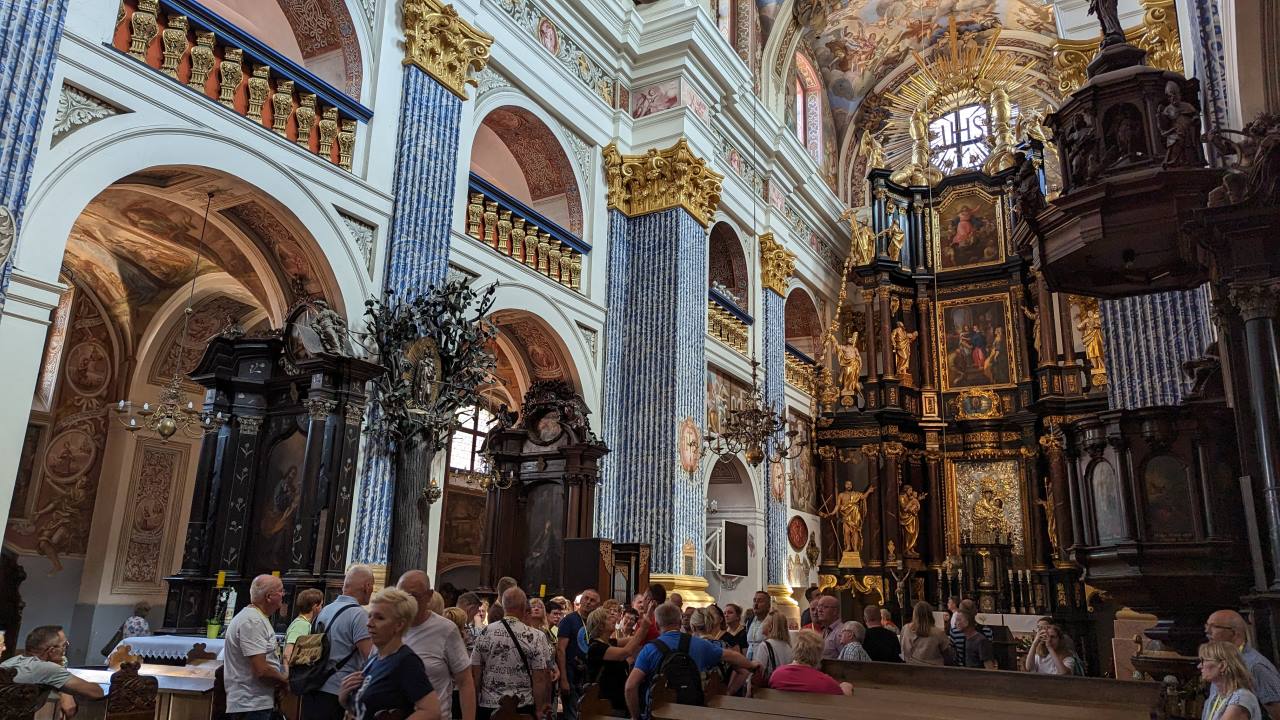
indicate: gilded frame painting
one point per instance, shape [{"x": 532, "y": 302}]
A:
[
  {"x": 975, "y": 347},
  {"x": 969, "y": 229},
  {"x": 965, "y": 481}
]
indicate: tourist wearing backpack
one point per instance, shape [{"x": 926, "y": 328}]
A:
[
  {"x": 681, "y": 659},
  {"x": 340, "y": 645}
]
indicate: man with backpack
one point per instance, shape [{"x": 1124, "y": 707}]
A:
[
  {"x": 681, "y": 659},
  {"x": 341, "y": 631}
]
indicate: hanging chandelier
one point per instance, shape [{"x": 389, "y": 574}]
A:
[
  {"x": 173, "y": 413},
  {"x": 757, "y": 431}
]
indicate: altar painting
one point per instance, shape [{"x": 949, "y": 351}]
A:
[
  {"x": 976, "y": 487},
  {"x": 976, "y": 349},
  {"x": 725, "y": 395},
  {"x": 461, "y": 528},
  {"x": 970, "y": 230}
]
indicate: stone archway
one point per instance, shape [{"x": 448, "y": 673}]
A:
[
  {"x": 732, "y": 496},
  {"x": 99, "y": 510},
  {"x": 727, "y": 267},
  {"x": 802, "y": 323},
  {"x": 518, "y": 153}
]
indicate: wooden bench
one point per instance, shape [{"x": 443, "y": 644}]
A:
[
  {"x": 901, "y": 702},
  {"x": 1096, "y": 698}
]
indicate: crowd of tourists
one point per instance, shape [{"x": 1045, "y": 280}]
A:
[{"x": 401, "y": 649}]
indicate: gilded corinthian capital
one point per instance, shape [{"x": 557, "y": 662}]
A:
[
  {"x": 444, "y": 45},
  {"x": 776, "y": 264},
  {"x": 660, "y": 180}
]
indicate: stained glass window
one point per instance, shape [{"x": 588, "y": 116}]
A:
[{"x": 959, "y": 139}]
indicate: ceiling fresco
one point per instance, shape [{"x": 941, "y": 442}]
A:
[
  {"x": 134, "y": 250},
  {"x": 858, "y": 43}
]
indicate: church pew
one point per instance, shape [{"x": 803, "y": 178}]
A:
[
  {"x": 1135, "y": 698},
  {"x": 844, "y": 709},
  {"x": 877, "y": 700},
  {"x": 671, "y": 711}
]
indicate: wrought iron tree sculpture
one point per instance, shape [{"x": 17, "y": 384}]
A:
[{"x": 435, "y": 353}]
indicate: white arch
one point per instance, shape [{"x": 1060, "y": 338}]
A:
[
  {"x": 772, "y": 88},
  {"x": 754, "y": 477},
  {"x": 69, "y": 187},
  {"x": 517, "y": 296},
  {"x": 510, "y": 97}
]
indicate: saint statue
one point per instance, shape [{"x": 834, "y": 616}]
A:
[
  {"x": 850, "y": 364},
  {"x": 920, "y": 171},
  {"x": 330, "y": 328},
  {"x": 1090, "y": 327},
  {"x": 1179, "y": 126},
  {"x": 851, "y": 508},
  {"x": 897, "y": 238},
  {"x": 902, "y": 340},
  {"x": 909, "y": 517},
  {"x": 1108, "y": 14},
  {"x": 424, "y": 380},
  {"x": 989, "y": 522},
  {"x": 862, "y": 239}
]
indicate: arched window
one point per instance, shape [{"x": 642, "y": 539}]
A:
[
  {"x": 464, "y": 448},
  {"x": 808, "y": 108},
  {"x": 959, "y": 139},
  {"x": 723, "y": 11}
]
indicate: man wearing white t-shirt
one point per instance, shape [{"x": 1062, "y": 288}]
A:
[
  {"x": 438, "y": 644},
  {"x": 251, "y": 665}
]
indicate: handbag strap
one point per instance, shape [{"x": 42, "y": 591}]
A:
[
  {"x": 773, "y": 659},
  {"x": 524, "y": 659}
]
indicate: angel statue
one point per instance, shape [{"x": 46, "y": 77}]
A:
[{"x": 869, "y": 147}]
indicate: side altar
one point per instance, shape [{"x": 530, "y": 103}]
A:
[{"x": 275, "y": 484}]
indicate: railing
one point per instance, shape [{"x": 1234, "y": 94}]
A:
[
  {"x": 519, "y": 232},
  {"x": 800, "y": 370},
  {"x": 223, "y": 63},
  {"x": 727, "y": 322}
]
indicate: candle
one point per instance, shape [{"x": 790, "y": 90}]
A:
[
  {"x": 222, "y": 578},
  {"x": 121, "y": 406}
]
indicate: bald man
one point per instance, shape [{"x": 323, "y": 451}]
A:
[
  {"x": 500, "y": 669},
  {"x": 346, "y": 625},
  {"x": 1230, "y": 626},
  {"x": 438, "y": 644}
]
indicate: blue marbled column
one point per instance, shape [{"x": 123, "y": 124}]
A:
[
  {"x": 773, "y": 335},
  {"x": 417, "y": 258},
  {"x": 29, "y": 35},
  {"x": 1146, "y": 339},
  {"x": 655, "y": 376}
]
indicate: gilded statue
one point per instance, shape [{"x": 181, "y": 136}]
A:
[
  {"x": 909, "y": 500},
  {"x": 897, "y": 238},
  {"x": 1090, "y": 327},
  {"x": 1050, "y": 518},
  {"x": 870, "y": 148},
  {"x": 902, "y": 339},
  {"x": 989, "y": 522},
  {"x": 851, "y": 508},
  {"x": 862, "y": 239},
  {"x": 920, "y": 171},
  {"x": 850, "y": 364}
]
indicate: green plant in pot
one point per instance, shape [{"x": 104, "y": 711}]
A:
[{"x": 435, "y": 350}]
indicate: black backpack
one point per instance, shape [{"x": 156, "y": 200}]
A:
[
  {"x": 309, "y": 667},
  {"x": 680, "y": 671}
]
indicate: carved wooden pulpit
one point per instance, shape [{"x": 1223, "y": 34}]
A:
[
  {"x": 542, "y": 492},
  {"x": 275, "y": 484}
]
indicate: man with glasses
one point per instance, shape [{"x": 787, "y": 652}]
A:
[
  {"x": 1229, "y": 626},
  {"x": 251, "y": 665},
  {"x": 41, "y": 664}
]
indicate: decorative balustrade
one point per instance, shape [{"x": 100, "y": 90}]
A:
[
  {"x": 517, "y": 231},
  {"x": 214, "y": 58},
  {"x": 727, "y": 322},
  {"x": 800, "y": 370}
]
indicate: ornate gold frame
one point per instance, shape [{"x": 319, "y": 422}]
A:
[
  {"x": 952, "y": 538},
  {"x": 935, "y": 213},
  {"x": 940, "y": 349}
]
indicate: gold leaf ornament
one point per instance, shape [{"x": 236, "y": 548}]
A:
[{"x": 443, "y": 45}]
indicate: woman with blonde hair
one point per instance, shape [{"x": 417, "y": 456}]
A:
[
  {"x": 1051, "y": 653},
  {"x": 774, "y": 651},
  {"x": 607, "y": 664},
  {"x": 923, "y": 642},
  {"x": 394, "y": 679},
  {"x": 802, "y": 673},
  {"x": 459, "y": 618},
  {"x": 1231, "y": 686}
]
